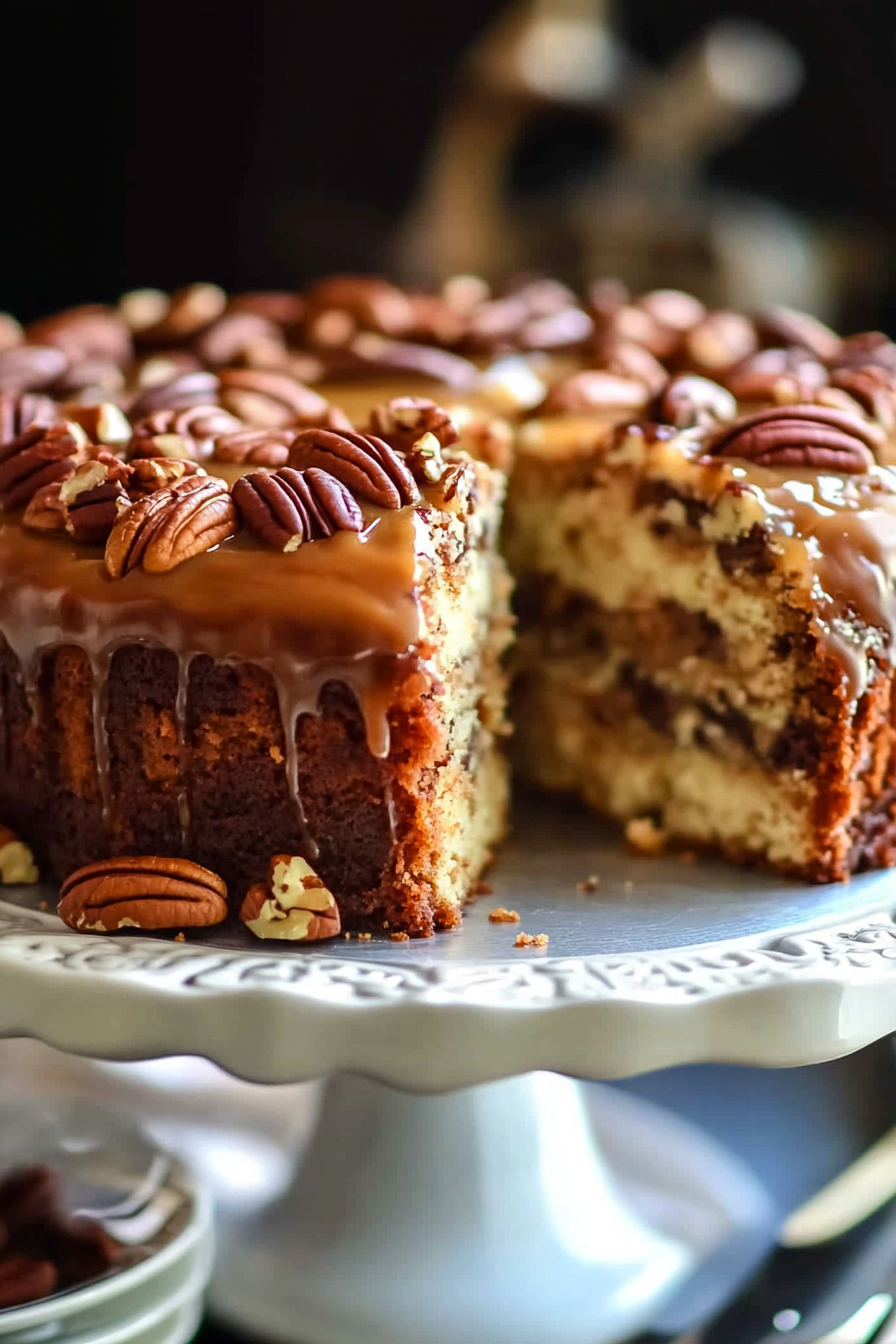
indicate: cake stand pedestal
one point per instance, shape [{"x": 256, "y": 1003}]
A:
[{"x": 450, "y": 1194}]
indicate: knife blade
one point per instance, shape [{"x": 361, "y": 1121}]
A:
[{"x": 831, "y": 1255}]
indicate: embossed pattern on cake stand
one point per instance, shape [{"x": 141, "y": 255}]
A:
[{"x": 666, "y": 963}]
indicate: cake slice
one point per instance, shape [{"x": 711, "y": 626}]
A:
[
  {"x": 308, "y": 665},
  {"x": 707, "y": 628}
]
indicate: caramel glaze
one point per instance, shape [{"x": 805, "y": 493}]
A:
[
  {"x": 340, "y": 610},
  {"x": 834, "y": 537}
]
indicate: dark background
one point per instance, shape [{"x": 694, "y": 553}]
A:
[{"x": 260, "y": 143}]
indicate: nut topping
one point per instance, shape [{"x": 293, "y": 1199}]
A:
[
  {"x": 185, "y": 433},
  {"x": 30, "y": 368},
  {"x": 142, "y": 893},
  {"x": 162, "y": 530},
  {"x": 149, "y": 474},
  {"x": 20, "y": 413},
  {"x": 104, "y": 423},
  {"x": 801, "y": 436},
  {"x": 719, "y": 341},
  {"x": 402, "y": 421},
  {"x": 787, "y": 326},
  {"x": 94, "y": 497},
  {"x": 195, "y": 387},
  {"x": 691, "y": 400},
  {"x": 593, "y": 390},
  {"x": 37, "y": 457},
  {"x": 289, "y": 507},
  {"x": 268, "y": 400},
  {"x": 366, "y": 465},
  {"x": 45, "y": 511},
  {"x": 17, "y": 866},
  {"x": 257, "y": 447},
  {"x": 293, "y": 904}
]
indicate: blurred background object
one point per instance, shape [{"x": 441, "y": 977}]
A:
[{"x": 728, "y": 148}]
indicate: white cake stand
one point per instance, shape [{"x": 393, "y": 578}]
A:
[{"x": 486, "y": 1215}]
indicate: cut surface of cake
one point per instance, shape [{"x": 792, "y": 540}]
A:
[{"x": 708, "y": 620}]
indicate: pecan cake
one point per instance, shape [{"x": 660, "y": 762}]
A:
[
  {"x": 233, "y": 626},
  {"x": 253, "y": 612},
  {"x": 703, "y": 530}
]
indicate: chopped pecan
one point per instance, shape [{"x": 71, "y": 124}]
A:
[
  {"x": 787, "y": 326},
  {"x": 593, "y": 390},
  {"x": 288, "y": 507},
  {"x": 801, "y": 436},
  {"x": 45, "y": 511},
  {"x": 692, "y": 400},
  {"x": 268, "y": 400},
  {"x": 162, "y": 530},
  {"x": 293, "y": 904},
  {"x": 17, "y": 866},
  {"x": 94, "y": 497},
  {"x": 142, "y": 893},
  {"x": 149, "y": 474},
  {"x": 424, "y": 459},
  {"x": 186, "y": 433},
  {"x": 194, "y": 387},
  {"x": 257, "y": 447},
  {"x": 366, "y": 465},
  {"x": 105, "y": 423},
  {"x": 20, "y": 413},
  {"x": 37, "y": 457},
  {"x": 402, "y": 421},
  {"x": 30, "y": 368}
]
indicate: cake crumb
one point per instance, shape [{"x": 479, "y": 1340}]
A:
[
  {"x": 501, "y": 916},
  {"x": 181, "y": 938},
  {"x": 483, "y": 889},
  {"x": 276, "y": 754},
  {"x": 531, "y": 940},
  {"x": 364, "y": 937},
  {"x": 400, "y": 937},
  {"x": 590, "y": 883},
  {"x": 644, "y": 836}
]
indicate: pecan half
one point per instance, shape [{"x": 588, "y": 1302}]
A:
[
  {"x": 258, "y": 447},
  {"x": 228, "y": 339},
  {"x": 801, "y": 436},
  {"x": 692, "y": 400},
  {"x": 187, "y": 433},
  {"x": 90, "y": 380},
  {"x": 365, "y": 302},
  {"x": 30, "y": 368},
  {"x": 787, "y": 326},
  {"x": 149, "y": 474},
  {"x": 370, "y": 354},
  {"x": 593, "y": 390},
  {"x": 633, "y": 361},
  {"x": 868, "y": 347},
  {"x": 720, "y": 340},
  {"x": 402, "y": 421},
  {"x": 91, "y": 331},
  {"x": 37, "y": 457},
  {"x": 20, "y": 413},
  {"x": 94, "y": 497},
  {"x": 293, "y": 904},
  {"x": 673, "y": 308},
  {"x": 288, "y": 507},
  {"x": 186, "y": 312},
  {"x": 17, "y": 866},
  {"x": 268, "y": 400},
  {"x": 45, "y": 511},
  {"x": 873, "y": 387},
  {"x": 760, "y": 376},
  {"x": 195, "y": 387},
  {"x": 365, "y": 464},
  {"x": 162, "y": 530},
  {"x": 142, "y": 893}
]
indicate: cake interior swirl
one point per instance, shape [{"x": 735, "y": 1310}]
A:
[{"x": 252, "y": 601}]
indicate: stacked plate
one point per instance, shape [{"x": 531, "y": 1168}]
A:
[{"x": 146, "y": 1200}]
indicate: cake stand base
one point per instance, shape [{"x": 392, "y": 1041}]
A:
[{"x": 486, "y": 1216}]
